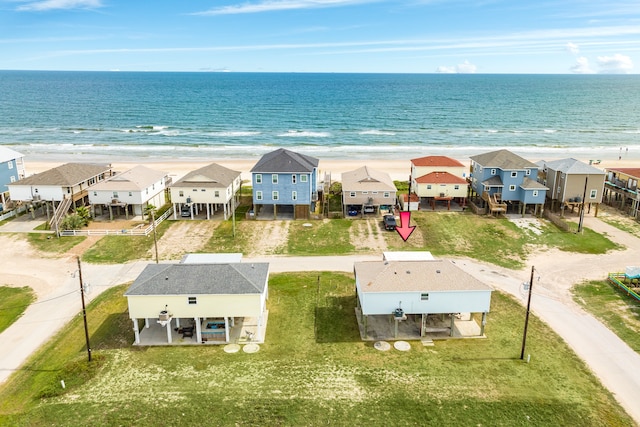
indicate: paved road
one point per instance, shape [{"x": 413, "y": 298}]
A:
[{"x": 612, "y": 361}]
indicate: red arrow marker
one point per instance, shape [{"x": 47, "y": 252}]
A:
[{"x": 405, "y": 230}]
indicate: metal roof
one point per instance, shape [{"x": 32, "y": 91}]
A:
[
  {"x": 572, "y": 166},
  {"x": 7, "y": 154},
  {"x": 135, "y": 179},
  {"x": 367, "y": 179}
]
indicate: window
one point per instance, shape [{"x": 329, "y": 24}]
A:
[
  {"x": 195, "y": 189},
  {"x": 512, "y": 188},
  {"x": 456, "y": 187},
  {"x": 115, "y": 194},
  {"x": 528, "y": 172},
  {"x": 493, "y": 171},
  {"x": 352, "y": 194},
  {"x": 424, "y": 297},
  {"x": 181, "y": 193},
  {"x": 294, "y": 178},
  {"x": 258, "y": 178},
  {"x": 130, "y": 194},
  {"x": 386, "y": 195},
  {"x": 202, "y": 189},
  {"x": 593, "y": 194},
  {"x": 428, "y": 186},
  {"x": 303, "y": 178},
  {"x": 258, "y": 195},
  {"x": 274, "y": 195},
  {"x": 216, "y": 193},
  {"x": 294, "y": 195},
  {"x": 514, "y": 174},
  {"x": 365, "y": 192},
  {"x": 10, "y": 165},
  {"x": 192, "y": 300},
  {"x": 374, "y": 192},
  {"x": 95, "y": 193},
  {"x": 12, "y": 178},
  {"x": 535, "y": 193},
  {"x": 274, "y": 178}
]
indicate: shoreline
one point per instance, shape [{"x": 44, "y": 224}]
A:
[{"x": 398, "y": 169}]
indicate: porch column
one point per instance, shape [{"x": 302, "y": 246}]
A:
[
  {"x": 169, "y": 331},
  {"x": 136, "y": 331},
  {"x": 146, "y": 323},
  {"x": 453, "y": 318},
  {"x": 198, "y": 329},
  {"x": 224, "y": 208},
  {"x": 364, "y": 323},
  {"x": 484, "y": 322},
  {"x": 259, "y": 331},
  {"x": 175, "y": 215},
  {"x": 226, "y": 328},
  {"x": 208, "y": 207},
  {"x": 177, "y": 322}
]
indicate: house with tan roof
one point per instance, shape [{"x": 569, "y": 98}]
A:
[
  {"x": 419, "y": 298},
  {"x": 205, "y": 192},
  {"x": 129, "y": 192},
  {"x": 60, "y": 187},
  {"x": 367, "y": 191},
  {"x": 439, "y": 179}
]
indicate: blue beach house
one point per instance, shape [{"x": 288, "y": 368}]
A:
[
  {"x": 506, "y": 181},
  {"x": 285, "y": 185},
  {"x": 11, "y": 170}
]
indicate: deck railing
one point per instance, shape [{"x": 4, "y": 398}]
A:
[{"x": 136, "y": 231}]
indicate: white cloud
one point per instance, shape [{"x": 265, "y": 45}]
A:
[
  {"x": 60, "y": 4},
  {"x": 277, "y": 5},
  {"x": 572, "y": 48},
  {"x": 581, "y": 66},
  {"x": 465, "y": 68},
  {"x": 445, "y": 70},
  {"x": 616, "y": 64}
]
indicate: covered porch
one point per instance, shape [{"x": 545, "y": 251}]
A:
[{"x": 189, "y": 331}]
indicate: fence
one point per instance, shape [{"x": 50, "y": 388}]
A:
[
  {"x": 138, "y": 231},
  {"x": 618, "y": 279}
]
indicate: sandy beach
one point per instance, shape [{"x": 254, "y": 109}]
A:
[{"x": 399, "y": 170}]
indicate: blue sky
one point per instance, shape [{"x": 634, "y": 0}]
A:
[{"x": 415, "y": 36}]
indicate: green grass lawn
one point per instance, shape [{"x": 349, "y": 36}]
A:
[
  {"x": 613, "y": 307},
  {"x": 312, "y": 370},
  {"x": 13, "y": 302},
  {"x": 120, "y": 249},
  {"x": 322, "y": 238},
  {"x": 50, "y": 243}
]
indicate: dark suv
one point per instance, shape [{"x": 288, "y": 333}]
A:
[{"x": 389, "y": 222}]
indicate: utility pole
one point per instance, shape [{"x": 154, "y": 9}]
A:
[
  {"x": 584, "y": 196},
  {"x": 84, "y": 311},
  {"x": 155, "y": 237},
  {"x": 526, "y": 320}
]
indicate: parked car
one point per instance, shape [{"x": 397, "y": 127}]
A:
[
  {"x": 185, "y": 211},
  {"x": 389, "y": 222},
  {"x": 369, "y": 209}
]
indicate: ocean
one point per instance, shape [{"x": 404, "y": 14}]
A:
[{"x": 110, "y": 116}]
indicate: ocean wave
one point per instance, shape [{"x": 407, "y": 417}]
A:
[
  {"x": 305, "y": 134},
  {"x": 376, "y": 132},
  {"x": 233, "y": 134}
]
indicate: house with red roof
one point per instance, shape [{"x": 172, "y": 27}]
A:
[{"x": 439, "y": 179}]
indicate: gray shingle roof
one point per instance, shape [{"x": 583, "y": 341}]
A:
[
  {"x": 365, "y": 178},
  {"x": 573, "y": 166},
  {"x": 210, "y": 176},
  {"x": 502, "y": 159},
  {"x": 530, "y": 184},
  {"x": 68, "y": 174},
  {"x": 201, "y": 279},
  {"x": 285, "y": 161}
]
